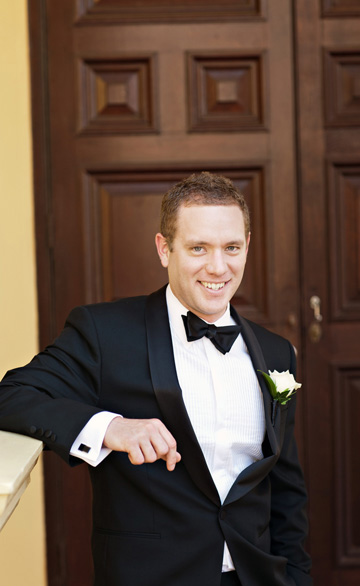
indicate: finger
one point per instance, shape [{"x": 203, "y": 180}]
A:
[
  {"x": 172, "y": 460},
  {"x": 154, "y": 449},
  {"x": 172, "y": 456},
  {"x": 136, "y": 456},
  {"x": 163, "y": 446}
]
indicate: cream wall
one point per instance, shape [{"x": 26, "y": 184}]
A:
[{"x": 22, "y": 541}]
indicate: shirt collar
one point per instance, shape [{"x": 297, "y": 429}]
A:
[{"x": 176, "y": 309}]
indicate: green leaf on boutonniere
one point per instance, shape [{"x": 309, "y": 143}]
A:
[{"x": 270, "y": 383}]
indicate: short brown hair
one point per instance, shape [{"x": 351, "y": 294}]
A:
[{"x": 199, "y": 189}]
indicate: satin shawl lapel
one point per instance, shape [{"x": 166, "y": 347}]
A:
[
  {"x": 169, "y": 395},
  {"x": 257, "y": 471}
]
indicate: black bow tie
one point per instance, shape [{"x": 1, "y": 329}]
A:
[{"x": 222, "y": 337}]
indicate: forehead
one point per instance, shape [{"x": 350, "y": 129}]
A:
[{"x": 209, "y": 221}]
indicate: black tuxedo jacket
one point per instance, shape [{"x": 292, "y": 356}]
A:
[{"x": 152, "y": 527}]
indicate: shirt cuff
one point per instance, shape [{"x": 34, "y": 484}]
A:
[{"x": 88, "y": 445}]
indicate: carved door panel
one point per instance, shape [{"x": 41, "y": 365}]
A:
[
  {"x": 127, "y": 99},
  {"x": 328, "y": 59}
]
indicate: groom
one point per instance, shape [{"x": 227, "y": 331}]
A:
[{"x": 196, "y": 479}]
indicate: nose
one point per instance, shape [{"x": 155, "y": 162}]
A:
[{"x": 216, "y": 264}]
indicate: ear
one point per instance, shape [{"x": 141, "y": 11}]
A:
[
  {"x": 248, "y": 243},
  {"x": 162, "y": 249}
]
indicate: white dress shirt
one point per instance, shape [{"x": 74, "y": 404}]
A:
[{"x": 223, "y": 399}]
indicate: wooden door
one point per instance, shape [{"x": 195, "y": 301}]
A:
[
  {"x": 328, "y": 75},
  {"x": 127, "y": 99}
]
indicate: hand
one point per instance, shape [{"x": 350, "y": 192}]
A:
[{"x": 144, "y": 440}]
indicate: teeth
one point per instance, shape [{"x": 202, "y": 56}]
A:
[{"x": 214, "y": 286}]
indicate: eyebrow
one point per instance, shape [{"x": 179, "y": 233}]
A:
[
  {"x": 196, "y": 242},
  {"x": 204, "y": 243}
]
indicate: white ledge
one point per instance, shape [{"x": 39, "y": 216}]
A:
[{"x": 18, "y": 456}]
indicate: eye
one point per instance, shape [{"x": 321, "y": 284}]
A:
[
  {"x": 197, "y": 248},
  {"x": 232, "y": 248}
]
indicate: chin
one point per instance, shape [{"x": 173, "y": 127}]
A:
[{"x": 212, "y": 312}]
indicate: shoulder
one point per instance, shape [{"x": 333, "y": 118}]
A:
[
  {"x": 128, "y": 313},
  {"x": 111, "y": 312},
  {"x": 127, "y": 304},
  {"x": 278, "y": 352},
  {"x": 125, "y": 307},
  {"x": 266, "y": 336}
]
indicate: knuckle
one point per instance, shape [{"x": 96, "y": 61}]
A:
[
  {"x": 151, "y": 425},
  {"x": 163, "y": 450},
  {"x": 132, "y": 445},
  {"x": 172, "y": 444}
]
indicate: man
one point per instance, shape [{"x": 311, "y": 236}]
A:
[{"x": 196, "y": 480}]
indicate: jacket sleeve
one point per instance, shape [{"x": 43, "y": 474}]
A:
[
  {"x": 54, "y": 396},
  {"x": 288, "y": 524}
]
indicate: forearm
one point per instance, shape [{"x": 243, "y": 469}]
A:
[
  {"x": 54, "y": 396},
  {"x": 56, "y": 422}
]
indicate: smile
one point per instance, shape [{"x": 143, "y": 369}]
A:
[{"x": 213, "y": 286}]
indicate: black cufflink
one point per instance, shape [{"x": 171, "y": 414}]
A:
[{"x": 84, "y": 448}]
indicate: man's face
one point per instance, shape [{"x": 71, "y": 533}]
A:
[{"x": 208, "y": 256}]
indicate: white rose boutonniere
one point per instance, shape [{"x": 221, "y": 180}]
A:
[{"x": 282, "y": 387}]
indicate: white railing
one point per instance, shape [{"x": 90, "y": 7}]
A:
[{"x": 18, "y": 456}]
